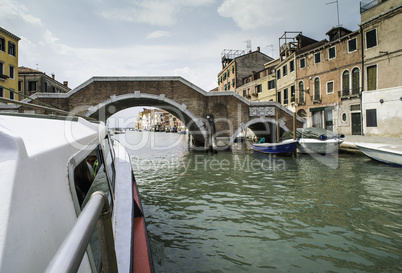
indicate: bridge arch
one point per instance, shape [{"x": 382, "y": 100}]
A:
[
  {"x": 267, "y": 122},
  {"x": 195, "y": 125}
]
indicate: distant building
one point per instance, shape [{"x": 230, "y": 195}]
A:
[
  {"x": 260, "y": 85},
  {"x": 32, "y": 81},
  {"x": 237, "y": 64},
  {"x": 8, "y": 64},
  {"x": 381, "y": 21},
  {"x": 158, "y": 120}
]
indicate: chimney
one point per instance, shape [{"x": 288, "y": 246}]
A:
[
  {"x": 258, "y": 48},
  {"x": 53, "y": 76},
  {"x": 65, "y": 83}
]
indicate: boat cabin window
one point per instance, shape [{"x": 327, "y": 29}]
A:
[{"x": 95, "y": 173}]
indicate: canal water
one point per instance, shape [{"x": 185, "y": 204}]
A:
[{"x": 242, "y": 211}]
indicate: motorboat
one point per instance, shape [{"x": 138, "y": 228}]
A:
[
  {"x": 390, "y": 154},
  {"x": 285, "y": 147},
  {"x": 318, "y": 146},
  {"x": 69, "y": 200},
  {"x": 315, "y": 140}
]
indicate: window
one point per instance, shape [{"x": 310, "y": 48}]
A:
[
  {"x": 355, "y": 81},
  {"x": 19, "y": 86},
  {"x": 1, "y": 68},
  {"x": 352, "y": 45},
  {"x": 271, "y": 84},
  {"x": 285, "y": 96},
  {"x": 258, "y": 89},
  {"x": 371, "y": 117},
  {"x": 233, "y": 83},
  {"x": 12, "y": 74},
  {"x": 285, "y": 70},
  {"x": 11, "y": 49},
  {"x": 317, "y": 92},
  {"x": 330, "y": 87},
  {"x": 2, "y": 44},
  {"x": 32, "y": 86},
  {"x": 244, "y": 93},
  {"x": 344, "y": 117},
  {"x": 345, "y": 83},
  {"x": 372, "y": 77},
  {"x": 332, "y": 52},
  {"x": 292, "y": 93},
  {"x": 279, "y": 97},
  {"x": 278, "y": 74},
  {"x": 1, "y": 92},
  {"x": 292, "y": 66},
  {"x": 371, "y": 38},
  {"x": 302, "y": 63},
  {"x": 301, "y": 95},
  {"x": 317, "y": 57}
]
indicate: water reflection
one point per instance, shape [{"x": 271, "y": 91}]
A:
[{"x": 242, "y": 212}]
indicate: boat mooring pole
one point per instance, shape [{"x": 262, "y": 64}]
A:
[
  {"x": 277, "y": 126},
  {"x": 294, "y": 126}
]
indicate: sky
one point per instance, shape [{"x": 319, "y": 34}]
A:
[{"x": 79, "y": 39}]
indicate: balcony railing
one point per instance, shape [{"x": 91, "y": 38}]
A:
[{"x": 347, "y": 93}]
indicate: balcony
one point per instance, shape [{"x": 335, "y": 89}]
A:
[{"x": 350, "y": 93}]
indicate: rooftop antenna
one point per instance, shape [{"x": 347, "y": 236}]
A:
[
  {"x": 37, "y": 67},
  {"x": 272, "y": 46},
  {"x": 337, "y": 9},
  {"x": 248, "y": 45}
]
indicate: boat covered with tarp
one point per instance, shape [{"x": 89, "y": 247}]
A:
[{"x": 315, "y": 140}]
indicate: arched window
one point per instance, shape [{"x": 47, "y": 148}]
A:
[
  {"x": 345, "y": 83},
  {"x": 355, "y": 81},
  {"x": 317, "y": 95},
  {"x": 301, "y": 95}
]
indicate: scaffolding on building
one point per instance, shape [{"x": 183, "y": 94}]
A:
[
  {"x": 288, "y": 43},
  {"x": 228, "y": 55}
]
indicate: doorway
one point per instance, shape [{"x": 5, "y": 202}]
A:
[{"x": 356, "y": 124}]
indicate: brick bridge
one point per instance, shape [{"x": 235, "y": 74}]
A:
[{"x": 101, "y": 97}]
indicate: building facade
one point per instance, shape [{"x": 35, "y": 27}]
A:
[
  {"x": 237, "y": 65},
  {"x": 32, "y": 81},
  {"x": 285, "y": 70},
  {"x": 8, "y": 64},
  {"x": 381, "y": 23},
  {"x": 260, "y": 85},
  {"x": 329, "y": 82}
]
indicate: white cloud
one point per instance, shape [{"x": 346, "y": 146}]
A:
[
  {"x": 158, "y": 34},
  {"x": 250, "y": 14},
  {"x": 153, "y": 12},
  {"x": 13, "y": 9}
]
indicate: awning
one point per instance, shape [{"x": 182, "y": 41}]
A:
[{"x": 321, "y": 108}]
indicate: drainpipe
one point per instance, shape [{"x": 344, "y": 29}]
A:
[{"x": 361, "y": 94}]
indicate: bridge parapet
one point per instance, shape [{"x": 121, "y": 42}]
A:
[{"x": 101, "y": 97}]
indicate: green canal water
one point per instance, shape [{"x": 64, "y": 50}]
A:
[{"x": 242, "y": 211}]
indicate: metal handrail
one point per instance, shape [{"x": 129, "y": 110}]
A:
[{"x": 69, "y": 256}]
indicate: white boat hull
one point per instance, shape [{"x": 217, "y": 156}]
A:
[
  {"x": 309, "y": 146},
  {"x": 389, "y": 154}
]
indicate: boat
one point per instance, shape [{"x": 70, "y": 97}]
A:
[
  {"x": 315, "y": 140},
  {"x": 390, "y": 154},
  {"x": 311, "y": 145},
  {"x": 285, "y": 147},
  {"x": 69, "y": 201}
]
